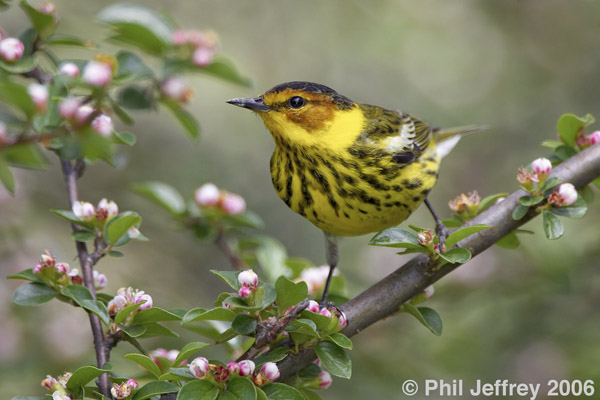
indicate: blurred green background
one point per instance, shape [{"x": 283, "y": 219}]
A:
[{"x": 526, "y": 315}]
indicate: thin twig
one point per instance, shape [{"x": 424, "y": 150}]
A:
[
  {"x": 86, "y": 263},
  {"x": 386, "y": 296},
  {"x": 222, "y": 244}
]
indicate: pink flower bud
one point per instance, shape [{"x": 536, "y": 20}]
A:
[
  {"x": 594, "y": 138},
  {"x": 11, "y": 49},
  {"x": 3, "y": 133},
  {"x": 315, "y": 278},
  {"x": 50, "y": 382},
  {"x": 133, "y": 232},
  {"x": 62, "y": 268},
  {"x": 541, "y": 167},
  {"x": 245, "y": 292},
  {"x": 203, "y": 56},
  {"x": 39, "y": 96},
  {"x": 132, "y": 383},
  {"x": 118, "y": 303},
  {"x": 179, "y": 37},
  {"x": 246, "y": 367},
  {"x": 176, "y": 88},
  {"x": 83, "y": 114},
  {"x": 84, "y": 211},
  {"x": 64, "y": 378},
  {"x": 47, "y": 259},
  {"x": 100, "y": 280},
  {"x": 317, "y": 362},
  {"x": 221, "y": 373},
  {"x": 123, "y": 390},
  {"x": 58, "y": 395},
  {"x": 325, "y": 312},
  {"x": 248, "y": 278},
  {"x": 428, "y": 291},
  {"x": 75, "y": 278},
  {"x": 426, "y": 237},
  {"x": 225, "y": 305},
  {"x": 270, "y": 371},
  {"x": 106, "y": 209},
  {"x": 568, "y": 194},
  {"x": 324, "y": 380},
  {"x": 233, "y": 367},
  {"x": 233, "y": 204},
  {"x": 313, "y": 306},
  {"x": 207, "y": 195},
  {"x": 103, "y": 125},
  {"x": 172, "y": 355},
  {"x": 67, "y": 108},
  {"x": 97, "y": 74},
  {"x": 143, "y": 297},
  {"x": 69, "y": 69},
  {"x": 342, "y": 320},
  {"x": 37, "y": 269},
  {"x": 199, "y": 367},
  {"x": 47, "y": 8}
]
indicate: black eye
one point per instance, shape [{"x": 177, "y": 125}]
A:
[{"x": 296, "y": 102}]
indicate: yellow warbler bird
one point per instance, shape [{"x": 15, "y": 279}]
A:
[{"x": 349, "y": 168}]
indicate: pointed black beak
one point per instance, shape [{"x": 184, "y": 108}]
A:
[{"x": 255, "y": 104}]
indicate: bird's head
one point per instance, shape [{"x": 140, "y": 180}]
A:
[{"x": 302, "y": 112}]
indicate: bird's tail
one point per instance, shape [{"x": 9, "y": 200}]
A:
[{"x": 446, "y": 139}]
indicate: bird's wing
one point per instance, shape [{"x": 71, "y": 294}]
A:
[{"x": 395, "y": 133}]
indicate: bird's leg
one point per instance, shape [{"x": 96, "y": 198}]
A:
[
  {"x": 332, "y": 254},
  {"x": 440, "y": 228}
]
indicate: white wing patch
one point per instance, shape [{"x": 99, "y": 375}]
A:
[
  {"x": 404, "y": 141},
  {"x": 444, "y": 147}
]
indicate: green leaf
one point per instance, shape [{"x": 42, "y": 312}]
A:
[
  {"x": 189, "y": 349},
  {"x": 587, "y": 194},
  {"x": 43, "y": 23},
  {"x": 553, "y": 227},
  {"x": 247, "y": 220},
  {"x": 396, "y": 237},
  {"x": 95, "y": 146},
  {"x": 198, "y": 390},
  {"x": 24, "y": 155},
  {"x": 120, "y": 112},
  {"x": 138, "y": 26},
  {"x": 82, "y": 376},
  {"x": 454, "y": 222},
  {"x": 303, "y": 326},
  {"x": 125, "y": 137},
  {"x": 131, "y": 67},
  {"x": 83, "y": 236},
  {"x": 124, "y": 313},
  {"x": 68, "y": 40},
  {"x": 311, "y": 371},
  {"x": 118, "y": 226},
  {"x": 185, "y": 119},
  {"x": 16, "y": 95},
  {"x": 23, "y": 65},
  {"x": 220, "y": 67},
  {"x": 341, "y": 340},
  {"x": 83, "y": 297},
  {"x": 510, "y": 241},
  {"x": 489, "y": 200},
  {"x": 529, "y": 201},
  {"x": 244, "y": 324},
  {"x": 155, "y": 329},
  {"x": 564, "y": 152},
  {"x": 69, "y": 216},
  {"x": 427, "y": 316},
  {"x": 289, "y": 293},
  {"x": 550, "y": 183},
  {"x": 215, "y": 314},
  {"x": 26, "y": 275},
  {"x": 551, "y": 144},
  {"x": 260, "y": 395},
  {"x": 6, "y": 176},
  {"x": 334, "y": 359},
  {"x": 155, "y": 388},
  {"x": 145, "y": 362},
  {"x": 265, "y": 295},
  {"x": 33, "y": 294},
  {"x": 271, "y": 256},
  {"x": 457, "y": 255},
  {"x": 162, "y": 194},
  {"x": 281, "y": 391},
  {"x": 462, "y": 233},
  {"x": 180, "y": 373},
  {"x": 229, "y": 277},
  {"x": 239, "y": 389},
  {"x": 569, "y": 125},
  {"x": 519, "y": 212},
  {"x": 322, "y": 321},
  {"x": 135, "y": 97},
  {"x": 577, "y": 210},
  {"x": 155, "y": 314},
  {"x": 274, "y": 355}
]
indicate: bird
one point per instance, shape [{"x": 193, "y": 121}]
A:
[{"x": 349, "y": 168}]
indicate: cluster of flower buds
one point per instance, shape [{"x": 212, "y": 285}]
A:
[
  {"x": 209, "y": 195},
  {"x": 313, "y": 306},
  {"x": 124, "y": 390},
  {"x": 583, "y": 141},
  {"x": 533, "y": 182},
  {"x": 203, "y": 43},
  {"x": 39, "y": 95},
  {"x": 176, "y": 88},
  {"x": 315, "y": 278},
  {"x": 202, "y": 369},
  {"x": 105, "y": 210},
  {"x": 466, "y": 205},
  {"x": 58, "y": 386},
  {"x": 126, "y": 297},
  {"x": 426, "y": 238},
  {"x": 11, "y": 49},
  {"x": 80, "y": 115},
  {"x": 248, "y": 281},
  {"x": 170, "y": 355}
]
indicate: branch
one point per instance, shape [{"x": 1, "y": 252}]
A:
[
  {"x": 386, "y": 296},
  {"x": 87, "y": 262},
  {"x": 222, "y": 244}
]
